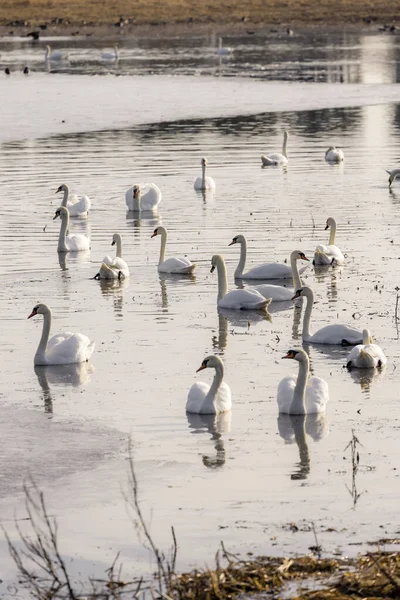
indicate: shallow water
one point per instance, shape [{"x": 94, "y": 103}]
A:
[{"x": 246, "y": 476}]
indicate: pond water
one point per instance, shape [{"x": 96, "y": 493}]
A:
[{"x": 243, "y": 477}]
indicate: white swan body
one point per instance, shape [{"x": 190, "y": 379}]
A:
[
  {"x": 269, "y": 160},
  {"x": 210, "y": 400},
  {"x": 114, "y": 268},
  {"x": 334, "y": 155},
  {"x": 302, "y": 394},
  {"x": 204, "y": 182},
  {"x": 366, "y": 355},
  {"x": 331, "y": 254},
  {"x": 336, "y": 334},
  {"x": 78, "y": 206},
  {"x": 111, "y": 56},
  {"x": 269, "y": 270},
  {"x": 69, "y": 243},
  {"x": 223, "y": 50},
  {"x": 143, "y": 197},
  {"x": 55, "y": 55},
  {"x": 181, "y": 266},
  {"x": 63, "y": 348},
  {"x": 247, "y": 299},
  {"x": 393, "y": 175}
]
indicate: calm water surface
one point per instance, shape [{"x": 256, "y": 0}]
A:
[{"x": 242, "y": 477}]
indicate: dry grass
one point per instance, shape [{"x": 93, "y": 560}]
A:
[{"x": 75, "y": 12}]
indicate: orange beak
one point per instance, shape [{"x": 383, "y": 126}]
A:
[
  {"x": 153, "y": 234},
  {"x": 33, "y": 313},
  {"x": 201, "y": 368}
]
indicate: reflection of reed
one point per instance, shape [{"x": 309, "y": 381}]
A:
[
  {"x": 216, "y": 425},
  {"x": 63, "y": 375}
]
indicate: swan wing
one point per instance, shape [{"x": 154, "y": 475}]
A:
[
  {"x": 209, "y": 183},
  {"x": 273, "y": 159},
  {"x": 326, "y": 255},
  {"x": 269, "y": 271},
  {"x": 78, "y": 242},
  {"x": 79, "y": 207},
  {"x": 277, "y": 293},
  {"x": 176, "y": 265},
  {"x": 150, "y": 196},
  {"x": 224, "y": 398},
  {"x": 317, "y": 395},
  {"x": 68, "y": 348},
  {"x": 366, "y": 356},
  {"x": 196, "y": 395},
  {"x": 247, "y": 299},
  {"x": 337, "y": 334},
  {"x": 285, "y": 393}
]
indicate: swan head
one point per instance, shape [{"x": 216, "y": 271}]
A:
[
  {"x": 238, "y": 239},
  {"x": 298, "y": 355},
  {"x": 214, "y": 262},
  {"x": 116, "y": 238},
  {"x": 286, "y": 134},
  {"x": 304, "y": 291},
  {"x": 39, "y": 309},
  {"x": 61, "y": 212},
  {"x": 136, "y": 191},
  {"x": 299, "y": 255},
  {"x": 203, "y": 162},
  {"x": 210, "y": 362},
  {"x": 62, "y": 188},
  {"x": 330, "y": 222}
]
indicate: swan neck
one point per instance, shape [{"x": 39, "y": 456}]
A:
[
  {"x": 298, "y": 406},
  {"x": 307, "y": 316},
  {"x": 222, "y": 279},
  {"x": 41, "y": 350},
  {"x": 332, "y": 234},
  {"x": 210, "y": 401},
  {"x": 295, "y": 272},
  {"x": 162, "y": 247},
  {"x": 62, "y": 242},
  {"x": 65, "y": 197},
  {"x": 203, "y": 175},
  {"x": 136, "y": 200},
  {"x": 242, "y": 260},
  {"x": 119, "y": 248},
  {"x": 284, "y": 146}
]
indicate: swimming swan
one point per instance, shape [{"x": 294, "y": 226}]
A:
[
  {"x": 204, "y": 182},
  {"x": 205, "y": 400},
  {"x": 331, "y": 334},
  {"x": 334, "y": 155},
  {"x": 276, "y": 159},
  {"x": 329, "y": 255},
  {"x": 366, "y": 355},
  {"x": 247, "y": 299},
  {"x": 138, "y": 200},
  {"x": 69, "y": 243},
  {"x": 393, "y": 175},
  {"x": 55, "y": 55},
  {"x": 111, "y": 56},
  {"x": 63, "y": 348},
  {"x": 181, "y": 266},
  {"x": 114, "y": 268},
  {"x": 303, "y": 394},
  {"x": 223, "y": 50},
  {"x": 78, "y": 206}
]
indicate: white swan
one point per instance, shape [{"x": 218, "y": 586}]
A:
[
  {"x": 63, "y": 348},
  {"x": 331, "y": 334},
  {"x": 114, "y": 268},
  {"x": 78, "y": 206},
  {"x": 66, "y": 242},
  {"x": 55, "y": 55},
  {"x": 143, "y": 196},
  {"x": 181, "y": 266},
  {"x": 247, "y": 299},
  {"x": 366, "y": 355},
  {"x": 111, "y": 56},
  {"x": 329, "y": 255},
  {"x": 205, "y": 400},
  {"x": 223, "y": 50},
  {"x": 276, "y": 159},
  {"x": 204, "y": 182},
  {"x": 393, "y": 175},
  {"x": 334, "y": 155},
  {"x": 302, "y": 395}
]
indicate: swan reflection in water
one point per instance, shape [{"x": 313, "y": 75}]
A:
[
  {"x": 365, "y": 377},
  {"x": 67, "y": 259},
  {"x": 62, "y": 376},
  {"x": 235, "y": 318},
  {"x": 295, "y": 428},
  {"x": 216, "y": 425},
  {"x": 173, "y": 278},
  {"x": 145, "y": 217},
  {"x": 114, "y": 289}
]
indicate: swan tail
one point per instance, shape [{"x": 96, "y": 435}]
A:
[{"x": 89, "y": 350}]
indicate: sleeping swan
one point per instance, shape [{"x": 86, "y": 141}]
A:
[
  {"x": 205, "y": 400},
  {"x": 366, "y": 355},
  {"x": 63, "y": 348},
  {"x": 334, "y": 155},
  {"x": 303, "y": 394}
]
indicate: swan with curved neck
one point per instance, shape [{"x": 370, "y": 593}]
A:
[
  {"x": 143, "y": 197},
  {"x": 393, "y": 175},
  {"x": 63, "y": 348},
  {"x": 111, "y": 55},
  {"x": 275, "y": 159},
  {"x": 304, "y": 394},
  {"x": 55, "y": 55},
  {"x": 69, "y": 243},
  {"x": 331, "y": 254},
  {"x": 336, "y": 334},
  {"x": 181, "y": 266},
  {"x": 334, "y": 155},
  {"x": 204, "y": 182},
  {"x": 247, "y": 299},
  {"x": 366, "y": 355},
  {"x": 78, "y": 206},
  {"x": 114, "y": 268},
  {"x": 210, "y": 400}
]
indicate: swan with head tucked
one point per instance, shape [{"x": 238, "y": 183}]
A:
[
  {"x": 143, "y": 197},
  {"x": 55, "y": 55},
  {"x": 366, "y": 355},
  {"x": 269, "y": 160},
  {"x": 204, "y": 182},
  {"x": 114, "y": 268},
  {"x": 181, "y": 266},
  {"x": 331, "y": 254},
  {"x": 66, "y": 242},
  {"x": 63, "y": 348},
  {"x": 303, "y": 394},
  {"x": 210, "y": 400},
  {"x": 336, "y": 334},
  {"x": 393, "y": 175},
  {"x": 247, "y": 299},
  {"x": 334, "y": 155},
  {"x": 78, "y": 206},
  {"x": 111, "y": 56}
]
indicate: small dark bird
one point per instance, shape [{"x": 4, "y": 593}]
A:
[
  {"x": 26, "y": 71},
  {"x": 7, "y": 71},
  {"x": 34, "y": 35}
]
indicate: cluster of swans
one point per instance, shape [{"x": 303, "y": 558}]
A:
[{"x": 332, "y": 155}]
